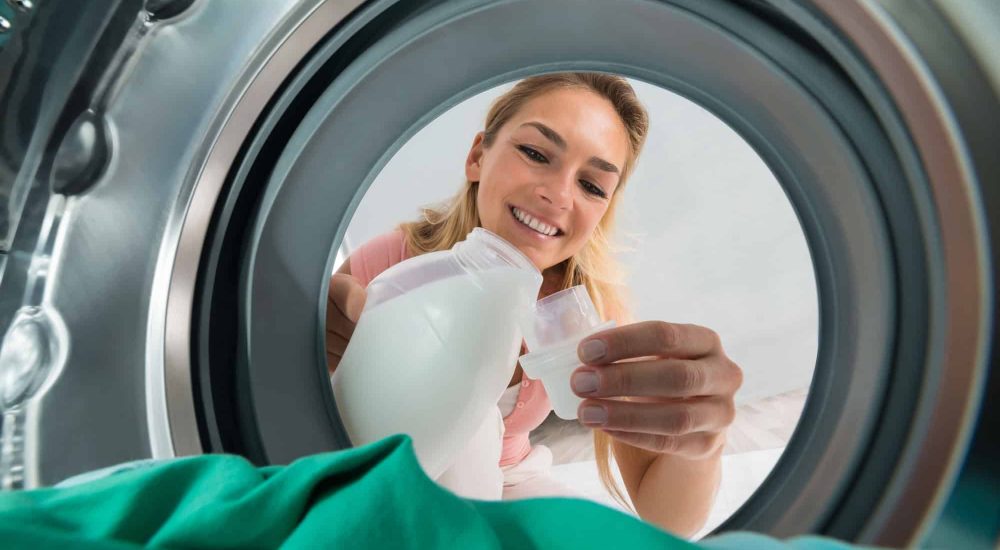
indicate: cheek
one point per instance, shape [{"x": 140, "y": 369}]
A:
[
  {"x": 586, "y": 224},
  {"x": 489, "y": 203},
  {"x": 508, "y": 173},
  {"x": 591, "y": 217},
  {"x": 584, "y": 229},
  {"x": 483, "y": 201},
  {"x": 497, "y": 182}
]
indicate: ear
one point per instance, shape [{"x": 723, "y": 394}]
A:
[{"x": 474, "y": 162}]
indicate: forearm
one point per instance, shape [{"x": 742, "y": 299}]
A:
[{"x": 675, "y": 493}]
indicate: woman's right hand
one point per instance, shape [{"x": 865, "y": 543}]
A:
[{"x": 345, "y": 300}]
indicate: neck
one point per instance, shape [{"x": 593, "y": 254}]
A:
[{"x": 552, "y": 280}]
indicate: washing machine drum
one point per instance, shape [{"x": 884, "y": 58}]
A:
[{"x": 177, "y": 175}]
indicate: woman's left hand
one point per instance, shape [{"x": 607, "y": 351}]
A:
[{"x": 678, "y": 381}]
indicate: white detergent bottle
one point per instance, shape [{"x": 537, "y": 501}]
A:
[{"x": 436, "y": 345}]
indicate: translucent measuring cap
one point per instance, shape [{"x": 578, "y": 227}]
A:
[{"x": 567, "y": 315}]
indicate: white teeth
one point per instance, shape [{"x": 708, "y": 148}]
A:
[{"x": 531, "y": 222}]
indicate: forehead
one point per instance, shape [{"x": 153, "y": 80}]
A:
[{"x": 580, "y": 116}]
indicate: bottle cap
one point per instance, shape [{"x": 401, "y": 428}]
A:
[
  {"x": 561, "y": 317},
  {"x": 561, "y": 321}
]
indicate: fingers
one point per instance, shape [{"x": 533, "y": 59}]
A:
[
  {"x": 694, "y": 446},
  {"x": 347, "y": 294},
  {"x": 345, "y": 300},
  {"x": 336, "y": 345},
  {"x": 337, "y": 324},
  {"x": 659, "y": 378},
  {"x": 332, "y": 362},
  {"x": 649, "y": 338},
  {"x": 670, "y": 418}
]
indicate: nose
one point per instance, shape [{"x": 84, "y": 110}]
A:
[{"x": 557, "y": 191}]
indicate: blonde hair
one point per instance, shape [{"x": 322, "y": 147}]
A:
[{"x": 594, "y": 266}]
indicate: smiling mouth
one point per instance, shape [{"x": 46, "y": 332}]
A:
[{"x": 530, "y": 222}]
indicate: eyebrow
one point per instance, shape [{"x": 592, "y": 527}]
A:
[{"x": 555, "y": 138}]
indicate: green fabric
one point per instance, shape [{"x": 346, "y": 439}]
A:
[{"x": 374, "y": 496}]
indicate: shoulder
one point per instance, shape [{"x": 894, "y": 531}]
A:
[{"x": 377, "y": 255}]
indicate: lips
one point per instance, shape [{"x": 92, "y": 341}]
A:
[{"x": 535, "y": 224}]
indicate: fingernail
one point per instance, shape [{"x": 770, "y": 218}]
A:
[
  {"x": 593, "y": 415},
  {"x": 592, "y": 350},
  {"x": 584, "y": 382}
]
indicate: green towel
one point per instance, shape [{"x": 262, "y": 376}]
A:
[{"x": 374, "y": 496}]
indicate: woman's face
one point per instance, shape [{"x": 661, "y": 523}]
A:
[{"x": 548, "y": 178}]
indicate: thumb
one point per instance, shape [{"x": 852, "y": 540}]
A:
[{"x": 348, "y": 294}]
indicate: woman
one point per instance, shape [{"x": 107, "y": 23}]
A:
[{"x": 546, "y": 174}]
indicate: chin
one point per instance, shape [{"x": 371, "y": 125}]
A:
[
  {"x": 543, "y": 265},
  {"x": 540, "y": 264}
]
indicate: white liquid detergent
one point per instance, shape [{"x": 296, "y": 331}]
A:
[{"x": 432, "y": 362}]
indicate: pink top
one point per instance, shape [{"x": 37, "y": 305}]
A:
[{"x": 533, "y": 404}]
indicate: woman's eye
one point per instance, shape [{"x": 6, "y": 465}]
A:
[
  {"x": 593, "y": 189},
  {"x": 532, "y": 154}
]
